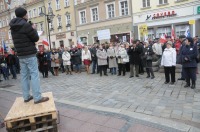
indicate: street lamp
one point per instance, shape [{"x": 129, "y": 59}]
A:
[{"x": 50, "y": 17}]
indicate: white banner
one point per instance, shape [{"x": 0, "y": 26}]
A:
[{"x": 103, "y": 34}]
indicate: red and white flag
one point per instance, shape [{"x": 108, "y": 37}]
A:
[
  {"x": 45, "y": 42},
  {"x": 173, "y": 34},
  {"x": 162, "y": 39}
]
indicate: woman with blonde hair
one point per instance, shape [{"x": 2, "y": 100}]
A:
[
  {"x": 86, "y": 58},
  {"x": 66, "y": 61}
]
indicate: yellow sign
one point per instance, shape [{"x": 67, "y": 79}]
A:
[
  {"x": 191, "y": 22},
  {"x": 143, "y": 30}
]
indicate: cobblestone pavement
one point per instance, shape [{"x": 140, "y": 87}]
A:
[
  {"x": 141, "y": 95},
  {"x": 76, "y": 119}
]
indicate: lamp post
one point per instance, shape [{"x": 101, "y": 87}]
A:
[{"x": 50, "y": 17}]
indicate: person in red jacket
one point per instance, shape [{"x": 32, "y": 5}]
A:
[{"x": 177, "y": 45}]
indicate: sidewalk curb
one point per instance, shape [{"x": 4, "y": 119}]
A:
[{"x": 147, "y": 118}]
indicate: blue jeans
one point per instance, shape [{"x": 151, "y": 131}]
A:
[
  {"x": 113, "y": 70},
  {"x": 94, "y": 66},
  {"x": 78, "y": 67},
  {"x": 29, "y": 67}
]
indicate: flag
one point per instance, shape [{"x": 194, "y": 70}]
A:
[
  {"x": 4, "y": 46},
  {"x": 172, "y": 34},
  {"x": 45, "y": 42},
  {"x": 145, "y": 38},
  {"x": 187, "y": 32},
  {"x": 79, "y": 43},
  {"x": 40, "y": 33},
  {"x": 163, "y": 39}
]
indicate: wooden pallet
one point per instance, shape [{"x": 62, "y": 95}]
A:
[{"x": 27, "y": 116}]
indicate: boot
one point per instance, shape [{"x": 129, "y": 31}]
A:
[
  {"x": 193, "y": 85},
  {"x": 70, "y": 73},
  {"x": 187, "y": 83}
]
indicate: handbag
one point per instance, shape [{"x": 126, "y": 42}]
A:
[
  {"x": 149, "y": 57},
  {"x": 56, "y": 61}
]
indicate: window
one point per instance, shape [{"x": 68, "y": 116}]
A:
[
  {"x": 180, "y": 30},
  {"x": 61, "y": 44},
  {"x": 94, "y": 14},
  {"x": 66, "y": 3},
  {"x": 163, "y": 31},
  {"x": 75, "y": 2},
  {"x": 34, "y": 13},
  {"x": 59, "y": 22},
  {"x": 124, "y": 8},
  {"x": 163, "y": 2},
  {"x": 41, "y": 26},
  {"x": 4, "y": 23},
  {"x": 49, "y": 5},
  {"x": 51, "y": 26},
  {"x": 151, "y": 33},
  {"x": 57, "y": 4},
  {"x": 0, "y": 24},
  {"x": 39, "y": 10},
  {"x": 54, "y": 45},
  {"x": 146, "y": 3},
  {"x": 110, "y": 10},
  {"x": 7, "y": 21},
  {"x": 82, "y": 17},
  {"x": 29, "y": 14},
  {"x": 68, "y": 19}
]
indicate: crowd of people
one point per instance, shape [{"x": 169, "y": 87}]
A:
[{"x": 117, "y": 58}]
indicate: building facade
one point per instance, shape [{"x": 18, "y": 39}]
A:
[
  {"x": 63, "y": 26},
  {"x": 94, "y": 18},
  {"x": 163, "y": 16},
  {"x": 4, "y": 22}
]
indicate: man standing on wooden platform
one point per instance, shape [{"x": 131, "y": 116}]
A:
[{"x": 24, "y": 36}]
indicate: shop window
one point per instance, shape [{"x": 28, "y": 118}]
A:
[
  {"x": 84, "y": 40},
  {"x": 61, "y": 44},
  {"x": 163, "y": 30},
  {"x": 151, "y": 33},
  {"x": 180, "y": 30}
]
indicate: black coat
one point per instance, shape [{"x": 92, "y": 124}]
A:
[
  {"x": 24, "y": 37},
  {"x": 134, "y": 55},
  {"x": 94, "y": 54},
  {"x": 190, "y": 52},
  {"x": 10, "y": 60},
  {"x": 42, "y": 59},
  {"x": 75, "y": 56},
  {"x": 148, "y": 52}
]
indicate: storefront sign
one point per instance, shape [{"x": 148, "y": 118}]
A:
[
  {"x": 191, "y": 22},
  {"x": 143, "y": 30},
  {"x": 60, "y": 36},
  {"x": 161, "y": 15},
  {"x": 198, "y": 10}
]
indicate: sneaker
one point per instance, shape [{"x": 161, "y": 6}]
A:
[
  {"x": 166, "y": 82},
  {"x": 152, "y": 77},
  {"x": 30, "y": 98},
  {"x": 148, "y": 77},
  {"x": 172, "y": 83},
  {"x": 43, "y": 99},
  {"x": 130, "y": 76}
]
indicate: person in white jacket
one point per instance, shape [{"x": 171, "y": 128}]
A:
[
  {"x": 122, "y": 59},
  {"x": 86, "y": 58},
  {"x": 169, "y": 62},
  {"x": 66, "y": 61}
]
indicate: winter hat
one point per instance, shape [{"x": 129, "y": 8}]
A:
[
  {"x": 190, "y": 40},
  {"x": 169, "y": 42},
  {"x": 20, "y": 12},
  {"x": 182, "y": 36}
]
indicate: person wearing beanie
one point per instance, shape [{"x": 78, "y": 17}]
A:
[
  {"x": 189, "y": 63},
  {"x": 24, "y": 36}
]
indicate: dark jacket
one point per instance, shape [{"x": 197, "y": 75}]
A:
[
  {"x": 42, "y": 59},
  {"x": 24, "y": 37},
  {"x": 94, "y": 53},
  {"x": 148, "y": 52},
  {"x": 189, "y": 52},
  {"x": 134, "y": 55},
  {"x": 10, "y": 60},
  {"x": 75, "y": 56}
]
